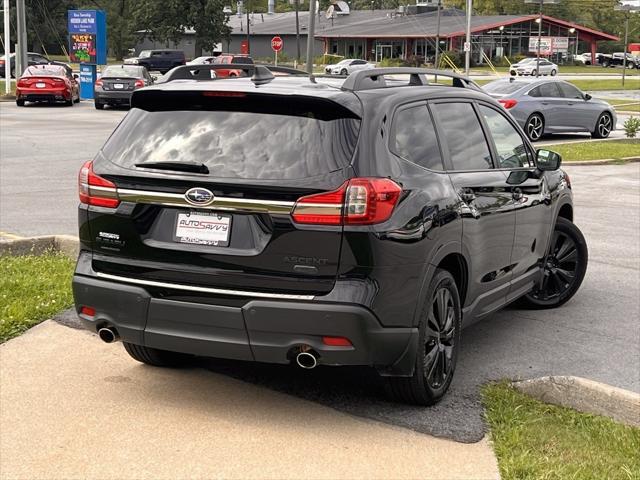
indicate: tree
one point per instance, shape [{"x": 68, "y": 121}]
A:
[{"x": 167, "y": 20}]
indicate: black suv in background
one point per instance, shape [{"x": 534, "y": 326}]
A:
[
  {"x": 363, "y": 221},
  {"x": 161, "y": 60}
]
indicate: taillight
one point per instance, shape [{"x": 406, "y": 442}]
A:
[
  {"x": 508, "y": 103},
  {"x": 359, "y": 201},
  {"x": 24, "y": 82},
  {"x": 95, "y": 190},
  {"x": 57, "y": 80},
  {"x": 139, "y": 84},
  {"x": 98, "y": 83}
]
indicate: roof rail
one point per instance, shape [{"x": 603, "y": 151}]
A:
[
  {"x": 203, "y": 72},
  {"x": 374, "y": 78}
]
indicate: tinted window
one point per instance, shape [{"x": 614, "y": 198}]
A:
[
  {"x": 569, "y": 91},
  {"x": 415, "y": 138},
  {"x": 122, "y": 71},
  {"x": 512, "y": 152},
  {"x": 464, "y": 136},
  {"x": 546, "y": 90},
  {"x": 236, "y": 143}
]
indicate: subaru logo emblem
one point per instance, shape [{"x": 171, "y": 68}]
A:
[{"x": 199, "y": 196}]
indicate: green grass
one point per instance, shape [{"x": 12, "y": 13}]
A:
[
  {"x": 533, "y": 440},
  {"x": 32, "y": 289},
  {"x": 2, "y": 85},
  {"x": 598, "y": 150},
  {"x": 609, "y": 84}
]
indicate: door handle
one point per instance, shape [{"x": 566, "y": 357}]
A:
[
  {"x": 544, "y": 103},
  {"x": 467, "y": 195},
  {"x": 516, "y": 194}
]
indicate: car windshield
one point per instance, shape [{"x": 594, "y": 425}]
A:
[
  {"x": 49, "y": 71},
  {"x": 526, "y": 60},
  {"x": 145, "y": 54},
  {"x": 501, "y": 87},
  {"x": 121, "y": 71},
  {"x": 344, "y": 62}
]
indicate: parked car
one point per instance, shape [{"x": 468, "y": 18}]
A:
[
  {"x": 529, "y": 66},
  {"x": 231, "y": 59},
  {"x": 360, "y": 225},
  {"x": 117, "y": 83},
  {"x": 347, "y": 66},
  {"x": 161, "y": 60},
  {"x": 47, "y": 83},
  {"x": 32, "y": 59},
  {"x": 553, "y": 106},
  {"x": 618, "y": 59},
  {"x": 584, "y": 58},
  {"x": 206, "y": 60}
]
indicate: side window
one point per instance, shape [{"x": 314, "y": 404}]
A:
[
  {"x": 549, "y": 89},
  {"x": 464, "y": 136},
  {"x": 414, "y": 137},
  {"x": 569, "y": 91},
  {"x": 512, "y": 152}
]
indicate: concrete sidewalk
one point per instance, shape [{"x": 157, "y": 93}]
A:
[{"x": 73, "y": 407}]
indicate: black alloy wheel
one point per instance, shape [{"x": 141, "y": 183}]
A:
[
  {"x": 564, "y": 268},
  {"x": 603, "y": 126},
  {"x": 343, "y": 71},
  {"x": 438, "y": 346},
  {"x": 534, "y": 128}
]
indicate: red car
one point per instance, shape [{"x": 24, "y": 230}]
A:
[
  {"x": 47, "y": 83},
  {"x": 231, "y": 59}
]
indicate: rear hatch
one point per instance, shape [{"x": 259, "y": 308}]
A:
[{"x": 218, "y": 214}]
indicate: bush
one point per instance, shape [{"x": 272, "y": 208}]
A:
[
  {"x": 456, "y": 57},
  {"x": 327, "y": 59},
  {"x": 392, "y": 62},
  {"x": 501, "y": 62},
  {"x": 415, "y": 61},
  {"x": 631, "y": 127}
]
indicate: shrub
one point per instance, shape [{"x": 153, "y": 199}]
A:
[
  {"x": 631, "y": 127},
  {"x": 327, "y": 59},
  {"x": 392, "y": 62}
]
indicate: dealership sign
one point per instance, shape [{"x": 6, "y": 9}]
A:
[{"x": 549, "y": 45}]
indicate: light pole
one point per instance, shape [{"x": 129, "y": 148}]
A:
[
  {"x": 627, "y": 9},
  {"x": 539, "y": 21},
  {"x": 467, "y": 49},
  {"x": 437, "y": 37},
  {"x": 501, "y": 28},
  {"x": 311, "y": 31},
  {"x": 7, "y": 48}
]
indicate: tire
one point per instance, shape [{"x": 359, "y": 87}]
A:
[
  {"x": 344, "y": 72},
  {"x": 20, "y": 102},
  {"x": 98, "y": 105},
  {"x": 439, "y": 344},
  {"x": 534, "y": 127},
  {"x": 77, "y": 100},
  {"x": 568, "y": 249},
  {"x": 604, "y": 125},
  {"x": 534, "y": 72},
  {"x": 553, "y": 73},
  {"x": 155, "y": 357},
  {"x": 605, "y": 64},
  {"x": 69, "y": 103},
  {"x": 630, "y": 65}
]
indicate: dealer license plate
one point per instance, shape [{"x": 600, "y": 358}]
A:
[
  {"x": 118, "y": 86},
  {"x": 203, "y": 228},
  {"x": 41, "y": 85}
]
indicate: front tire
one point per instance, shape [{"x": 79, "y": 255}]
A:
[
  {"x": 438, "y": 346},
  {"x": 553, "y": 73},
  {"x": 604, "y": 125},
  {"x": 564, "y": 270},
  {"x": 344, "y": 71},
  {"x": 534, "y": 127},
  {"x": 155, "y": 357}
]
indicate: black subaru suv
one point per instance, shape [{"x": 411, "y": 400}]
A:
[{"x": 357, "y": 221}]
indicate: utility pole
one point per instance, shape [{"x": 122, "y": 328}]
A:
[
  {"x": 297, "y": 3},
  {"x": 438, "y": 37},
  {"x": 627, "y": 9},
  {"x": 248, "y": 29},
  {"x": 7, "y": 47},
  {"x": 310, "y": 36},
  {"x": 21, "y": 52},
  {"x": 467, "y": 53}
]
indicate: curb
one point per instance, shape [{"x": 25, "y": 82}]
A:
[
  {"x": 66, "y": 244},
  {"x": 605, "y": 161},
  {"x": 585, "y": 396}
]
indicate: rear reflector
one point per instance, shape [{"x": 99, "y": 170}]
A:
[
  {"x": 95, "y": 190},
  {"x": 88, "y": 311},
  {"x": 337, "y": 342},
  {"x": 359, "y": 201},
  {"x": 508, "y": 103}
]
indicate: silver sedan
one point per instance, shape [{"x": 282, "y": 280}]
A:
[{"x": 552, "y": 106}]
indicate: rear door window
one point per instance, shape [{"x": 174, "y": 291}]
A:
[
  {"x": 240, "y": 138},
  {"x": 548, "y": 90},
  {"x": 464, "y": 137},
  {"x": 414, "y": 137}
]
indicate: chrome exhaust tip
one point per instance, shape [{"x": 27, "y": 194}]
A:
[
  {"x": 306, "y": 360},
  {"x": 108, "y": 335}
]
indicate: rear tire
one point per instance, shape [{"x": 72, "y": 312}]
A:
[
  {"x": 98, "y": 105},
  {"x": 438, "y": 346},
  {"x": 69, "y": 103},
  {"x": 565, "y": 268},
  {"x": 553, "y": 73},
  {"x": 20, "y": 102},
  {"x": 155, "y": 357},
  {"x": 533, "y": 73}
]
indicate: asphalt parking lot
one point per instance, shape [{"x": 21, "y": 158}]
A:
[{"x": 596, "y": 335}]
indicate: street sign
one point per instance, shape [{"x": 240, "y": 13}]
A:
[
  {"x": 276, "y": 43},
  {"x": 467, "y": 46}
]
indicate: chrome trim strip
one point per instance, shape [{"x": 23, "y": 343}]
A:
[
  {"x": 193, "y": 288},
  {"x": 219, "y": 203},
  {"x": 107, "y": 192},
  {"x": 318, "y": 209}
]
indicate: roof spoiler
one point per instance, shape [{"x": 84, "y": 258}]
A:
[
  {"x": 204, "y": 72},
  {"x": 374, "y": 78}
]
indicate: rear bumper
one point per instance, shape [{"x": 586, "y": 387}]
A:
[
  {"x": 43, "y": 95},
  {"x": 120, "y": 98},
  {"x": 263, "y": 330}
]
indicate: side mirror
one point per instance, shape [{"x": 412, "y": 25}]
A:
[
  {"x": 548, "y": 161},
  {"x": 587, "y": 97}
]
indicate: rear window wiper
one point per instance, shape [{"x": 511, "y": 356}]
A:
[{"x": 191, "y": 167}]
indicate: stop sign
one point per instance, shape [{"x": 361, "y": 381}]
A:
[{"x": 276, "y": 44}]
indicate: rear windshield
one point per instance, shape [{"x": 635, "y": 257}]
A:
[
  {"x": 504, "y": 87},
  {"x": 49, "y": 71},
  {"x": 245, "y": 140},
  {"x": 122, "y": 71}
]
